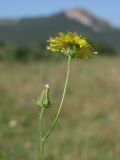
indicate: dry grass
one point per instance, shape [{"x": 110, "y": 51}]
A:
[{"x": 89, "y": 126}]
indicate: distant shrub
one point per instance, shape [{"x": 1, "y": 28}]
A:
[
  {"x": 8, "y": 53},
  {"x": 22, "y": 54},
  {"x": 106, "y": 49},
  {"x": 2, "y": 44}
]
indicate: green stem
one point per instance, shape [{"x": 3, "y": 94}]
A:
[
  {"x": 41, "y": 135},
  {"x": 61, "y": 104}
]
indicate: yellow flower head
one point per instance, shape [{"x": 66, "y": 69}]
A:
[{"x": 71, "y": 44}]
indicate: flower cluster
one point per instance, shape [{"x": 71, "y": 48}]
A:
[{"x": 71, "y": 44}]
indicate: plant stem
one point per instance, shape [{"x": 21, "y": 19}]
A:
[
  {"x": 61, "y": 103},
  {"x": 41, "y": 135}
]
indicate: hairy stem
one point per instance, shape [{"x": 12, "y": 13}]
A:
[
  {"x": 61, "y": 103},
  {"x": 41, "y": 135}
]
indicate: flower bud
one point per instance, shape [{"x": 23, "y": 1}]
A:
[{"x": 44, "y": 101}]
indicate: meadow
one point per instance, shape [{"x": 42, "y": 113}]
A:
[{"x": 89, "y": 126}]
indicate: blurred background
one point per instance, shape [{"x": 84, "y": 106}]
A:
[{"x": 88, "y": 128}]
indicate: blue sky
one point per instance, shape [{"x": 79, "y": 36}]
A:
[{"x": 107, "y": 9}]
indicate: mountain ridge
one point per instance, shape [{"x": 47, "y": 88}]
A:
[{"x": 29, "y": 31}]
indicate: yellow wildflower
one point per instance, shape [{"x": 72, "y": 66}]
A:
[{"x": 71, "y": 44}]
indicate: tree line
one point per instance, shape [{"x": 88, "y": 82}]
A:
[{"x": 12, "y": 52}]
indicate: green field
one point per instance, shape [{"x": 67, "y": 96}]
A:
[{"x": 89, "y": 126}]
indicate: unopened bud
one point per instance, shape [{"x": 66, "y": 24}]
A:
[{"x": 44, "y": 101}]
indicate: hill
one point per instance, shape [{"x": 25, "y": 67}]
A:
[{"x": 35, "y": 30}]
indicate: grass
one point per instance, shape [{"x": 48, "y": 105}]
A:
[{"x": 89, "y": 126}]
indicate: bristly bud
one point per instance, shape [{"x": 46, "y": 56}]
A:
[{"x": 44, "y": 101}]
